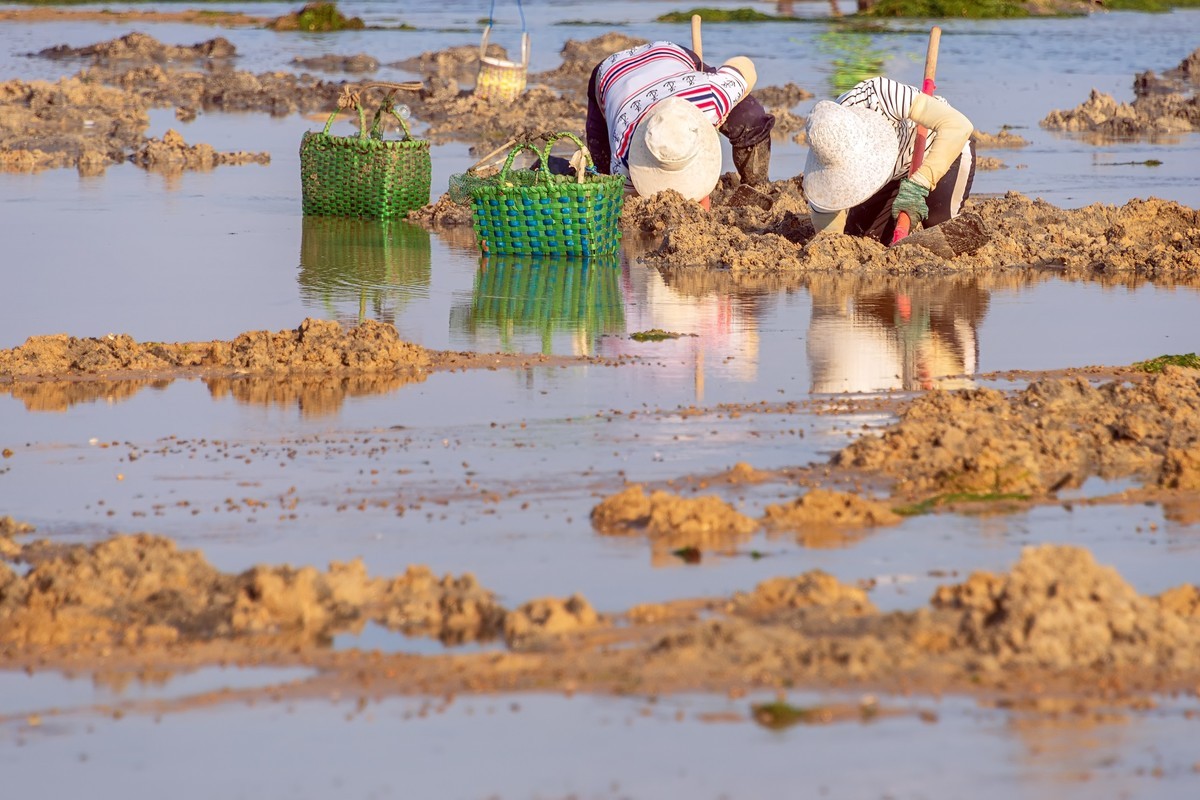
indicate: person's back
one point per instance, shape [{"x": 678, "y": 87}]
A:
[
  {"x": 861, "y": 147},
  {"x": 639, "y": 126}
]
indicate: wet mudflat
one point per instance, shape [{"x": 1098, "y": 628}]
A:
[{"x": 639, "y": 519}]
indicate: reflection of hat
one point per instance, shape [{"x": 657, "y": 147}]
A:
[
  {"x": 851, "y": 154},
  {"x": 675, "y": 147}
]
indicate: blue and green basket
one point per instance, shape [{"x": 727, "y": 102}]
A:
[{"x": 534, "y": 212}]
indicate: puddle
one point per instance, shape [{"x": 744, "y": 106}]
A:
[
  {"x": 1096, "y": 487},
  {"x": 55, "y": 694},
  {"x": 605, "y": 747},
  {"x": 495, "y": 473},
  {"x": 374, "y": 636}
]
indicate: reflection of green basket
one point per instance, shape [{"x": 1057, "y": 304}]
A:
[
  {"x": 364, "y": 175},
  {"x": 532, "y": 212},
  {"x": 376, "y": 265},
  {"x": 548, "y": 295}
]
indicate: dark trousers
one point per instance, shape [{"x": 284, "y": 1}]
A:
[
  {"x": 747, "y": 124},
  {"x": 873, "y": 217}
]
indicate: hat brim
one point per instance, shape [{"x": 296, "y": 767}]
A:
[
  {"x": 694, "y": 181},
  {"x": 833, "y": 187}
]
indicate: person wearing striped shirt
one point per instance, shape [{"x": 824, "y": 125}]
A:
[
  {"x": 856, "y": 177},
  {"x": 648, "y": 110}
]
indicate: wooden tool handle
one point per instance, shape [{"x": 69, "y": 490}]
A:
[
  {"x": 697, "y": 45},
  {"x": 931, "y": 56},
  {"x": 903, "y": 223}
]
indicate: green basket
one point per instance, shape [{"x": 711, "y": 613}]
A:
[
  {"x": 533, "y": 212},
  {"x": 366, "y": 175}
]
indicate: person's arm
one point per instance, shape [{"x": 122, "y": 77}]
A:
[
  {"x": 596, "y": 130},
  {"x": 953, "y": 130}
]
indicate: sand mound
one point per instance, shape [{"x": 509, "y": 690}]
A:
[
  {"x": 1059, "y": 609},
  {"x": 1054, "y": 434}
]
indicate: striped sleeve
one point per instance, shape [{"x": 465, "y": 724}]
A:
[{"x": 882, "y": 94}]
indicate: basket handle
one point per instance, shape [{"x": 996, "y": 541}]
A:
[
  {"x": 513, "y": 154},
  {"x": 487, "y": 30},
  {"x": 350, "y": 98},
  {"x": 545, "y": 154}
]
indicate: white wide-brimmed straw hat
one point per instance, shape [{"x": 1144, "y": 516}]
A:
[
  {"x": 675, "y": 147},
  {"x": 852, "y": 152}
]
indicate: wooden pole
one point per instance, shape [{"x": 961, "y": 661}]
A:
[{"x": 903, "y": 223}]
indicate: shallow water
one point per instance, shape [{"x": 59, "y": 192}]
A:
[
  {"x": 209, "y": 255},
  {"x": 551, "y": 746}
]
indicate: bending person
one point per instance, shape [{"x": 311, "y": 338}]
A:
[
  {"x": 861, "y": 149},
  {"x": 653, "y": 115}
]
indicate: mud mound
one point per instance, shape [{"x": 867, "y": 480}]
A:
[
  {"x": 1056, "y": 621},
  {"x": 786, "y": 96},
  {"x": 579, "y": 58},
  {"x": 1054, "y": 434},
  {"x": 99, "y": 117},
  {"x": 1003, "y": 139},
  {"x": 458, "y": 64},
  {"x": 1166, "y": 105},
  {"x": 1146, "y": 116},
  {"x": 814, "y": 588},
  {"x": 317, "y": 345},
  {"x": 275, "y": 93},
  {"x": 140, "y": 47},
  {"x": 550, "y": 616},
  {"x": 826, "y": 508},
  {"x": 172, "y": 154},
  {"x": 360, "y": 62},
  {"x": 71, "y": 123},
  {"x": 460, "y": 115},
  {"x": 444, "y": 213},
  {"x": 1155, "y": 239},
  {"x": 1058, "y": 609},
  {"x": 672, "y": 522},
  {"x": 141, "y": 590}
]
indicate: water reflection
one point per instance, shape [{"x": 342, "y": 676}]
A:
[
  {"x": 312, "y": 395},
  {"x": 541, "y": 296},
  {"x": 352, "y": 269},
  {"x": 56, "y": 396},
  {"x": 715, "y": 319},
  {"x": 852, "y": 57},
  {"x": 894, "y": 335}
]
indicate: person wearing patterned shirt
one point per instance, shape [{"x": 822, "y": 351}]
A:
[
  {"x": 856, "y": 177},
  {"x": 653, "y": 116}
]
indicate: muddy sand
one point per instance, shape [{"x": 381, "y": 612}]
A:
[{"x": 1056, "y": 623}]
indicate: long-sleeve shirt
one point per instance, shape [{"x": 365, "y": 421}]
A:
[
  {"x": 906, "y": 107},
  {"x": 626, "y": 85}
]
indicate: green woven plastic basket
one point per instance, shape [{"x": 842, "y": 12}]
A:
[
  {"x": 533, "y": 212},
  {"x": 365, "y": 175}
]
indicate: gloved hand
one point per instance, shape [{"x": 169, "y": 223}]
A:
[{"x": 911, "y": 200}]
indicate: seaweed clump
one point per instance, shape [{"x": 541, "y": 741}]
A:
[{"x": 317, "y": 17}]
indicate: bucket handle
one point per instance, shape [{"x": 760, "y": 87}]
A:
[{"x": 487, "y": 30}]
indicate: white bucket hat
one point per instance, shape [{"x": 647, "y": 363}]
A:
[
  {"x": 852, "y": 153},
  {"x": 675, "y": 147}
]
